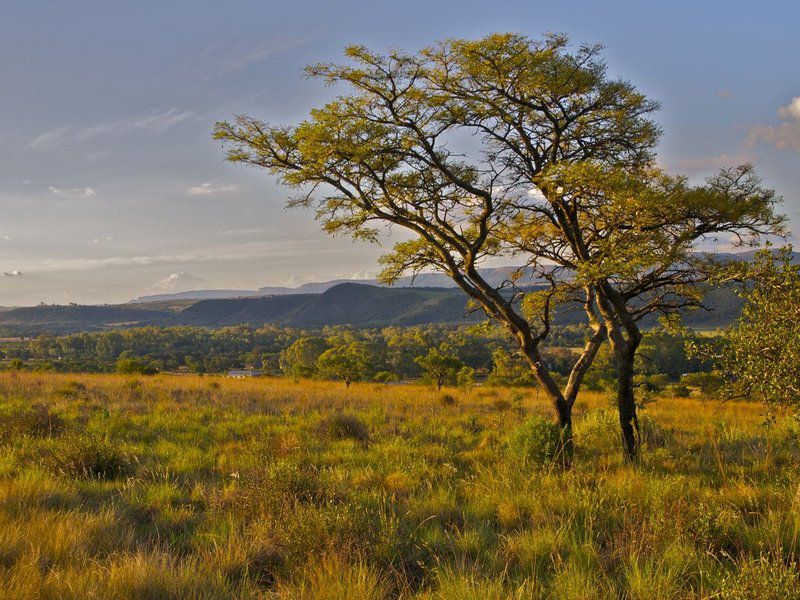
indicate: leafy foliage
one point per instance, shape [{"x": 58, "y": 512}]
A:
[
  {"x": 762, "y": 353},
  {"x": 351, "y": 362},
  {"x": 536, "y": 441},
  {"x": 439, "y": 367}
]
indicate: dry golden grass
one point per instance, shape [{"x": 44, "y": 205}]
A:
[{"x": 207, "y": 487}]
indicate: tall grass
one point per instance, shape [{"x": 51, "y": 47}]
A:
[{"x": 206, "y": 487}]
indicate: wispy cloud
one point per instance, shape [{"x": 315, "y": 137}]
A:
[
  {"x": 86, "y": 192},
  {"x": 154, "y": 122},
  {"x": 220, "y": 59},
  {"x": 704, "y": 164},
  {"x": 208, "y": 188},
  {"x": 223, "y": 252},
  {"x": 237, "y": 232},
  {"x": 785, "y": 135}
]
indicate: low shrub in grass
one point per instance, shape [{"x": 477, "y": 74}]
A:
[
  {"x": 343, "y": 427},
  {"x": 537, "y": 441},
  {"x": 71, "y": 389},
  {"x": 447, "y": 400},
  {"x": 501, "y": 404},
  {"x": 36, "y": 421},
  {"x": 91, "y": 457},
  {"x": 764, "y": 579},
  {"x": 598, "y": 429}
]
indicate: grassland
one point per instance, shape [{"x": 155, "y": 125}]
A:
[{"x": 204, "y": 487}]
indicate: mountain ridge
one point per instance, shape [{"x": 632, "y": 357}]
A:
[{"x": 494, "y": 275}]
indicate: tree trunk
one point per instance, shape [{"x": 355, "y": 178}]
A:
[
  {"x": 566, "y": 447},
  {"x": 626, "y": 404},
  {"x": 565, "y": 450}
]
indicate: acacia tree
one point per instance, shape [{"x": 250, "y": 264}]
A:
[
  {"x": 632, "y": 235},
  {"x": 544, "y": 121},
  {"x": 381, "y": 155},
  {"x": 761, "y": 354}
]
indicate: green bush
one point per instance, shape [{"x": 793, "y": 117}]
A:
[
  {"x": 386, "y": 377},
  {"x": 598, "y": 429},
  {"x": 536, "y": 441},
  {"x": 679, "y": 390},
  {"x": 709, "y": 384},
  {"x": 652, "y": 383},
  {"x": 343, "y": 427},
  {"x": 134, "y": 366},
  {"x": 91, "y": 457}
]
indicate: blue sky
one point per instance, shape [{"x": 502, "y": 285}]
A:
[{"x": 111, "y": 187}]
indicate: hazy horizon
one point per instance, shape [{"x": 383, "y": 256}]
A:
[{"x": 112, "y": 188}]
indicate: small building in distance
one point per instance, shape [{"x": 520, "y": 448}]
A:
[{"x": 241, "y": 374}]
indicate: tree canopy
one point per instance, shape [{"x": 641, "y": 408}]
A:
[{"x": 511, "y": 147}]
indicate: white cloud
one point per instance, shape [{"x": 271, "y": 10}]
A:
[
  {"x": 86, "y": 192},
  {"x": 154, "y": 122},
  {"x": 208, "y": 188},
  {"x": 11, "y": 274},
  {"x": 784, "y": 136},
  {"x": 178, "y": 282},
  {"x": 791, "y": 110},
  {"x": 107, "y": 238}
]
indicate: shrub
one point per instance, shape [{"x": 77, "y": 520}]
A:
[
  {"x": 447, "y": 400},
  {"x": 652, "y": 383},
  {"x": 501, "y": 404},
  {"x": 91, "y": 457},
  {"x": 679, "y": 390},
  {"x": 133, "y": 366},
  {"x": 517, "y": 398},
  {"x": 37, "y": 421},
  {"x": 536, "y": 441},
  {"x": 343, "y": 427},
  {"x": 598, "y": 429},
  {"x": 386, "y": 377},
  {"x": 709, "y": 384},
  {"x": 763, "y": 579},
  {"x": 71, "y": 389},
  {"x": 465, "y": 377}
]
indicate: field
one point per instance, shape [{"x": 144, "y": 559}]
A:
[{"x": 206, "y": 487}]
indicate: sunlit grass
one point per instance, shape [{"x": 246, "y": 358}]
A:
[{"x": 207, "y": 487}]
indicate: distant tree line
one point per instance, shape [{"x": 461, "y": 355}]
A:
[{"x": 439, "y": 354}]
